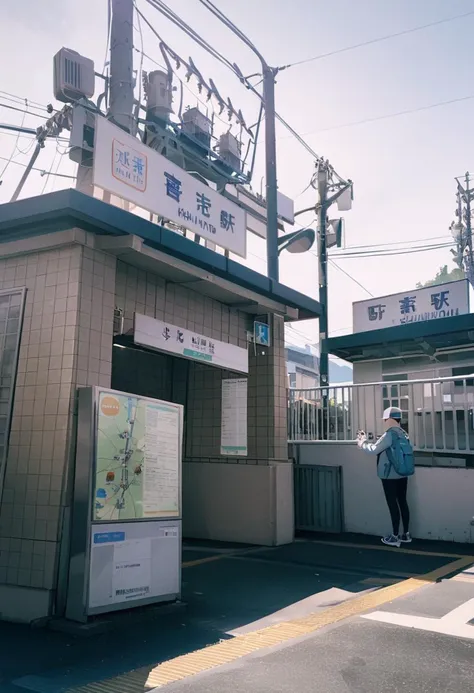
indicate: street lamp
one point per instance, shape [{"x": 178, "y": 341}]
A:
[{"x": 297, "y": 242}]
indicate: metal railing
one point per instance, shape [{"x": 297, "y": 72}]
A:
[{"x": 438, "y": 414}]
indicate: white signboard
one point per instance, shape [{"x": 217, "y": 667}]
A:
[
  {"x": 161, "y": 491},
  {"x": 133, "y": 561},
  {"x": 126, "y": 167},
  {"x": 429, "y": 303},
  {"x": 234, "y": 417},
  {"x": 176, "y": 340}
]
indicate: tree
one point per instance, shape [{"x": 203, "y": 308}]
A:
[{"x": 443, "y": 277}]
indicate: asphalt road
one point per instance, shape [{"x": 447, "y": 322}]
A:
[
  {"x": 363, "y": 655},
  {"x": 230, "y": 593},
  {"x": 358, "y": 656}
]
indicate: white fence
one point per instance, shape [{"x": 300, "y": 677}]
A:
[{"x": 437, "y": 414}]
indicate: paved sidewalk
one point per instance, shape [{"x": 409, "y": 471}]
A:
[
  {"x": 230, "y": 591},
  {"x": 366, "y": 653}
]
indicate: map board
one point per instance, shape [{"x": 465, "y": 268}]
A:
[{"x": 138, "y": 458}]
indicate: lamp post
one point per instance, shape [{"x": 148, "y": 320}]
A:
[{"x": 268, "y": 99}]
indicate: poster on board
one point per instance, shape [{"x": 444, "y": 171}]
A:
[
  {"x": 132, "y": 562},
  {"x": 234, "y": 417},
  {"x": 138, "y": 459}
]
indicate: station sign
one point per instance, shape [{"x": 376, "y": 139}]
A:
[
  {"x": 171, "y": 339},
  {"x": 127, "y": 168},
  {"x": 427, "y": 303}
]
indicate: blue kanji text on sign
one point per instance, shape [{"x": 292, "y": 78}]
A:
[
  {"x": 203, "y": 204},
  {"x": 138, "y": 165},
  {"x": 227, "y": 221},
  {"x": 376, "y": 312},
  {"x": 173, "y": 186},
  {"x": 407, "y": 305},
  {"x": 440, "y": 300},
  {"x": 122, "y": 157}
]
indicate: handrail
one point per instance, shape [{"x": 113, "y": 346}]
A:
[{"x": 385, "y": 382}]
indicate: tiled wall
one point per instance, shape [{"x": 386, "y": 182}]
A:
[
  {"x": 66, "y": 341},
  {"x": 145, "y": 293}
]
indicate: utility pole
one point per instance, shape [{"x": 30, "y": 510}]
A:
[
  {"x": 120, "y": 84},
  {"x": 462, "y": 228},
  {"x": 121, "y": 65},
  {"x": 271, "y": 171},
  {"x": 39, "y": 146},
  {"x": 469, "y": 229},
  {"x": 322, "y": 182},
  {"x": 330, "y": 187}
]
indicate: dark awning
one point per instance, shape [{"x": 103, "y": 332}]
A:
[
  {"x": 68, "y": 209},
  {"x": 417, "y": 338}
]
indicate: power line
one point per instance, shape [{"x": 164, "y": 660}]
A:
[
  {"x": 160, "y": 6},
  {"x": 391, "y": 252},
  {"x": 356, "y": 281},
  {"x": 387, "y": 116},
  {"x": 378, "y": 40},
  {"x": 21, "y": 99},
  {"x": 15, "y": 147},
  {"x": 182, "y": 82},
  {"x": 39, "y": 170},
  {"x": 22, "y": 110},
  {"x": 381, "y": 245}
]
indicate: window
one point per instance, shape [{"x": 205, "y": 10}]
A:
[
  {"x": 463, "y": 370},
  {"x": 396, "y": 395},
  {"x": 11, "y": 312}
]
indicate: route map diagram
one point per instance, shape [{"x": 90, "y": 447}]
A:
[{"x": 120, "y": 457}]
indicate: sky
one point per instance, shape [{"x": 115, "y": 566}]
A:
[{"x": 403, "y": 167}]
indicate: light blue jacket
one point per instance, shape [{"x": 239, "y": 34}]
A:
[{"x": 385, "y": 470}]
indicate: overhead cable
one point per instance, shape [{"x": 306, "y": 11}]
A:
[
  {"x": 404, "y": 32},
  {"x": 356, "y": 281}
]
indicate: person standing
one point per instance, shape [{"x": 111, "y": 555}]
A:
[{"x": 395, "y": 463}]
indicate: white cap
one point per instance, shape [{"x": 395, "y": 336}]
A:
[{"x": 392, "y": 413}]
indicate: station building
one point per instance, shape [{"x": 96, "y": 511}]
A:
[{"x": 75, "y": 273}]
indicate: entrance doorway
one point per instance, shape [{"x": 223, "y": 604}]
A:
[{"x": 150, "y": 374}]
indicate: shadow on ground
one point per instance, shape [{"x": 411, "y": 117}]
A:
[{"x": 234, "y": 592}]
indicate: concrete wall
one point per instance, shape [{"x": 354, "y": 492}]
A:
[
  {"x": 242, "y": 503},
  {"x": 367, "y": 372},
  {"x": 441, "y": 500}
]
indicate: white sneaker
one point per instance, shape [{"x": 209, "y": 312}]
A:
[
  {"x": 405, "y": 538},
  {"x": 391, "y": 540}
]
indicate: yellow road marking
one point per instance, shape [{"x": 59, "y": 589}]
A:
[
  {"x": 366, "y": 547},
  {"x": 200, "y": 561},
  {"x": 226, "y": 651},
  {"x": 377, "y": 581},
  {"x": 371, "y": 547},
  {"x": 232, "y": 553}
]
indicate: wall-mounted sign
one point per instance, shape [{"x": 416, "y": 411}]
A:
[
  {"x": 428, "y": 303},
  {"x": 126, "y": 167},
  {"x": 234, "y": 417},
  {"x": 171, "y": 339},
  {"x": 262, "y": 333}
]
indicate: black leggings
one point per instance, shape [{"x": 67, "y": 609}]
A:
[{"x": 396, "y": 496}]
